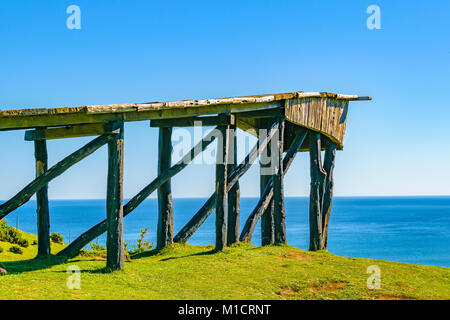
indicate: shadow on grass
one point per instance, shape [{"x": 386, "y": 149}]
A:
[
  {"x": 41, "y": 263},
  {"x": 155, "y": 252},
  {"x": 38, "y": 263}
]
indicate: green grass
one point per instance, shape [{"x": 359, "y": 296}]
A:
[{"x": 240, "y": 272}]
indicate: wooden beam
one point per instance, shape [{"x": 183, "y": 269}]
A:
[
  {"x": 221, "y": 186},
  {"x": 135, "y": 113},
  {"x": 317, "y": 175},
  {"x": 330, "y": 155},
  {"x": 80, "y": 130},
  {"x": 165, "y": 203},
  {"x": 267, "y": 219},
  {"x": 263, "y": 204},
  {"x": 190, "y": 122},
  {"x": 268, "y": 113},
  {"x": 42, "y": 117},
  {"x": 26, "y": 193},
  {"x": 100, "y": 228},
  {"x": 43, "y": 215},
  {"x": 233, "y": 194},
  {"x": 197, "y": 220},
  {"x": 114, "y": 205},
  {"x": 267, "y": 196},
  {"x": 278, "y": 185}
]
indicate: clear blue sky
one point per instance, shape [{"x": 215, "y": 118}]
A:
[{"x": 139, "y": 51}]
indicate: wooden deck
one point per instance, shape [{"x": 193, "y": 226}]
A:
[
  {"x": 292, "y": 122},
  {"x": 319, "y": 111}
]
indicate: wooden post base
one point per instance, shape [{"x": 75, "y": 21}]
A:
[
  {"x": 43, "y": 215},
  {"x": 114, "y": 206},
  {"x": 165, "y": 204}
]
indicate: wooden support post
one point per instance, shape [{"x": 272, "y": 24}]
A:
[
  {"x": 43, "y": 216},
  {"x": 221, "y": 187},
  {"x": 315, "y": 209},
  {"x": 330, "y": 155},
  {"x": 114, "y": 206},
  {"x": 278, "y": 185},
  {"x": 165, "y": 204},
  {"x": 267, "y": 219},
  {"x": 234, "y": 193}
]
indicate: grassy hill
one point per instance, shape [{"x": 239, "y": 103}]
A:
[{"x": 197, "y": 272}]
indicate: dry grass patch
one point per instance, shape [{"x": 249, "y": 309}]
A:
[
  {"x": 296, "y": 255},
  {"x": 327, "y": 286},
  {"x": 393, "y": 297},
  {"x": 286, "y": 292}
]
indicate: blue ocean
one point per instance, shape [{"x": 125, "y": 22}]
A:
[{"x": 404, "y": 229}]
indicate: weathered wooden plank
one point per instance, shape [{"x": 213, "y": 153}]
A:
[
  {"x": 94, "y": 232},
  {"x": 165, "y": 203},
  {"x": 234, "y": 194},
  {"x": 267, "y": 196},
  {"x": 48, "y": 117},
  {"x": 26, "y": 193},
  {"x": 190, "y": 122},
  {"x": 221, "y": 186},
  {"x": 330, "y": 155},
  {"x": 197, "y": 220},
  {"x": 326, "y": 115},
  {"x": 130, "y": 107},
  {"x": 43, "y": 215},
  {"x": 114, "y": 205},
  {"x": 267, "y": 218},
  {"x": 140, "y": 113},
  {"x": 317, "y": 175},
  {"x": 80, "y": 130},
  {"x": 279, "y": 213}
]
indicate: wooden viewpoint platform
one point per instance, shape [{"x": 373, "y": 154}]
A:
[{"x": 291, "y": 122}]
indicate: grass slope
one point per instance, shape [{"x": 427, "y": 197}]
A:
[{"x": 241, "y": 272}]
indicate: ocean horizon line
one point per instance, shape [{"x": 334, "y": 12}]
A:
[{"x": 256, "y": 197}]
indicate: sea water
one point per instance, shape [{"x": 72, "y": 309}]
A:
[{"x": 404, "y": 229}]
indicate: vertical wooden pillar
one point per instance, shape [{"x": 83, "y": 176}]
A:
[
  {"x": 330, "y": 155},
  {"x": 278, "y": 188},
  {"x": 234, "y": 193},
  {"x": 114, "y": 203},
  {"x": 267, "y": 219},
  {"x": 315, "y": 209},
  {"x": 221, "y": 186},
  {"x": 43, "y": 215},
  {"x": 165, "y": 204}
]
